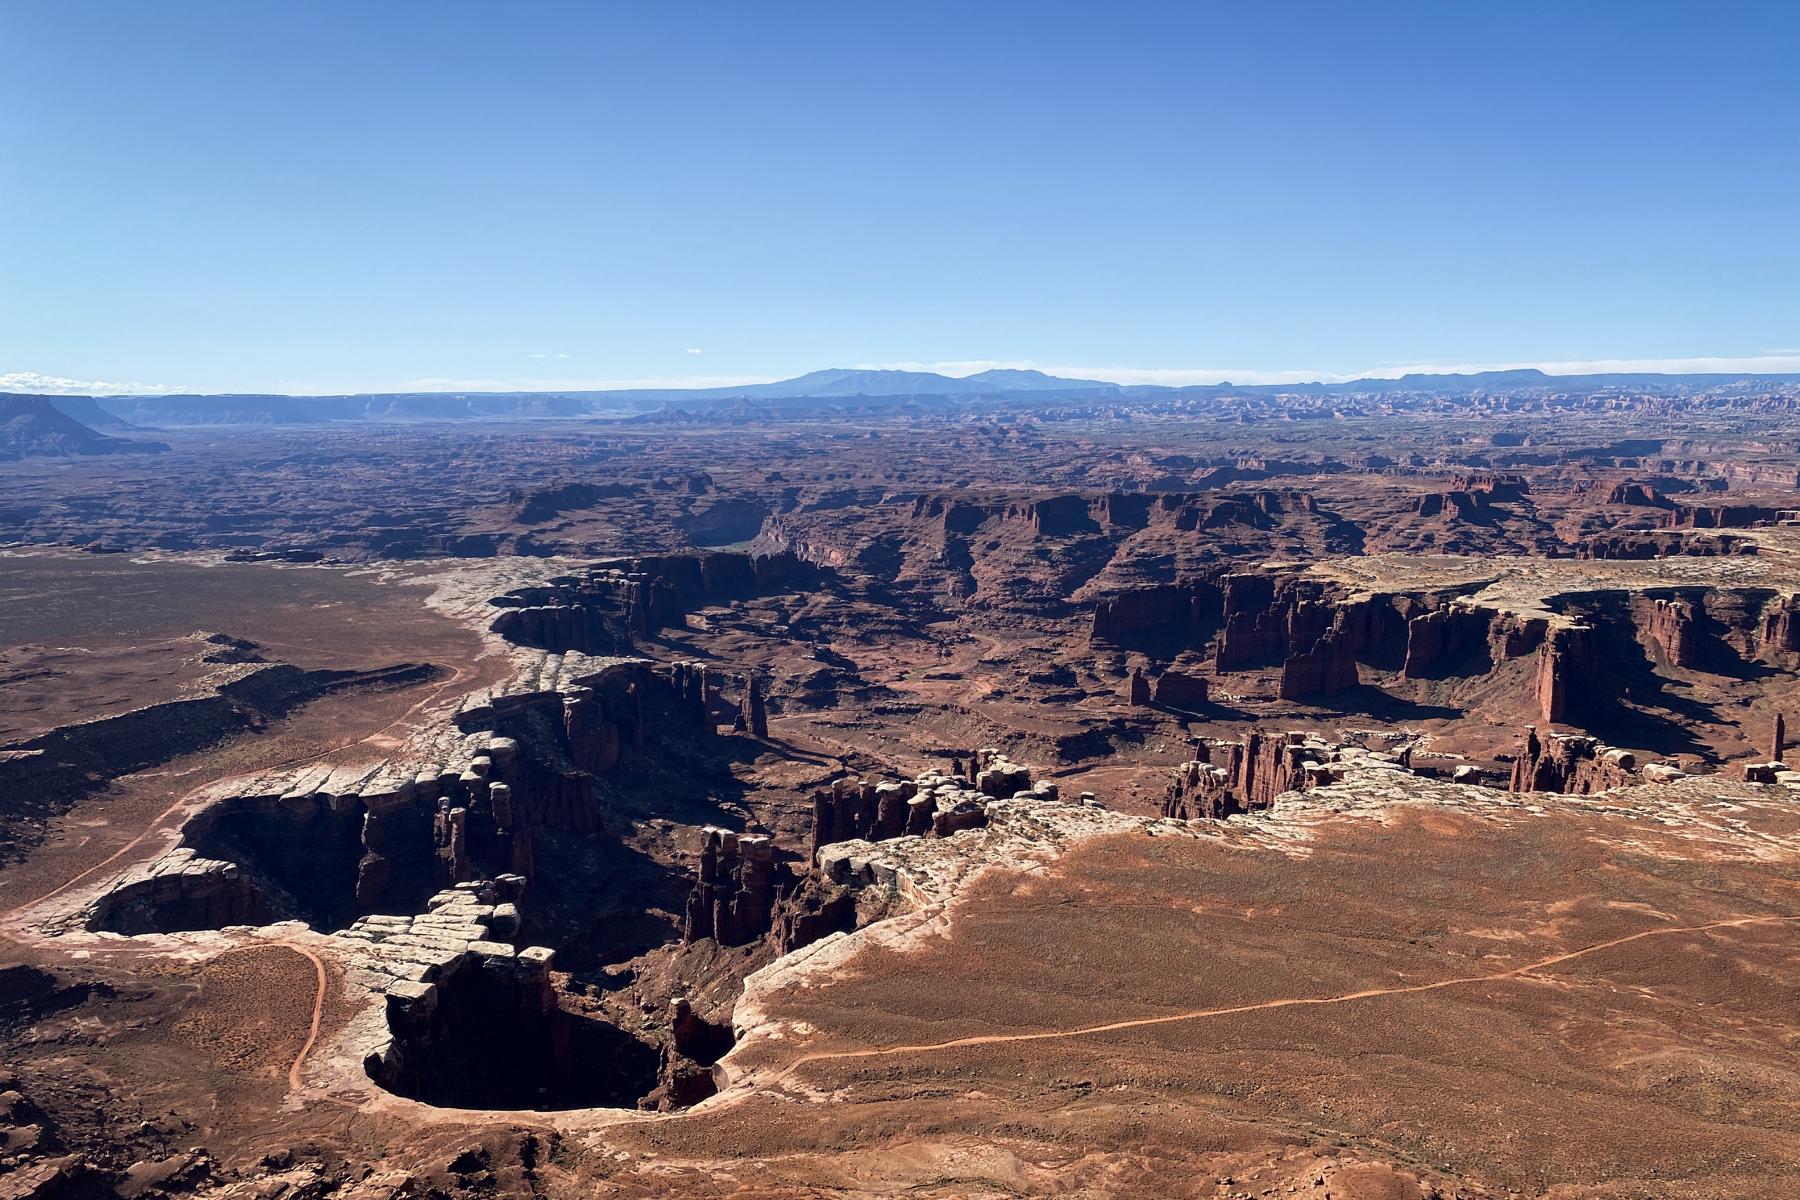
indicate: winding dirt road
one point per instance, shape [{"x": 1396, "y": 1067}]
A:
[
  {"x": 318, "y": 1013},
  {"x": 1267, "y": 1005},
  {"x": 323, "y": 984}
]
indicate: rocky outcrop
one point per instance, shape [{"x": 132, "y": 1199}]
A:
[
  {"x": 1670, "y": 627},
  {"x": 933, "y": 804},
  {"x": 610, "y": 605},
  {"x": 1326, "y": 633},
  {"x": 685, "y": 1076},
  {"x": 1138, "y": 690},
  {"x": 1058, "y": 516},
  {"x": 816, "y": 908},
  {"x": 1576, "y": 765},
  {"x": 1317, "y": 635},
  {"x": 1178, "y": 689},
  {"x": 1471, "y": 498},
  {"x": 1511, "y": 636},
  {"x": 45, "y": 774},
  {"x": 1191, "y": 607},
  {"x": 855, "y": 813},
  {"x": 1253, "y": 627},
  {"x": 576, "y": 716},
  {"x": 1499, "y": 486},
  {"x": 1565, "y": 661},
  {"x": 179, "y": 891},
  {"x": 327, "y": 843},
  {"x": 1454, "y": 506},
  {"x": 1643, "y": 544},
  {"x": 864, "y": 809},
  {"x": 1441, "y": 639},
  {"x": 1313, "y": 637},
  {"x": 1638, "y": 495},
  {"x": 473, "y": 1022},
  {"x": 736, "y": 889},
  {"x": 753, "y": 716},
  {"x": 746, "y": 889},
  {"x": 1114, "y": 513},
  {"x": 1461, "y": 640},
  {"x": 595, "y": 735},
  {"x": 701, "y": 578},
  {"x": 1227, "y": 778},
  {"x": 1724, "y": 516},
  {"x": 1325, "y": 668},
  {"x": 1778, "y": 631},
  {"x": 604, "y": 611}
]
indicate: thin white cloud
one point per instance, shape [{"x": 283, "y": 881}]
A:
[
  {"x": 61, "y": 385},
  {"x": 695, "y": 350},
  {"x": 546, "y": 356}
]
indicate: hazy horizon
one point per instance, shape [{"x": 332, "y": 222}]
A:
[{"x": 1764, "y": 365}]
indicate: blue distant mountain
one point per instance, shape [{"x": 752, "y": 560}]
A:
[
  {"x": 87, "y": 410},
  {"x": 838, "y": 388},
  {"x": 37, "y": 427},
  {"x": 846, "y": 382}
]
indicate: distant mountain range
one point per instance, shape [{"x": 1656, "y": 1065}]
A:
[
  {"x": 844, "y": 382},
  {"x": 40, "y": 427},
  {"x": 834, "y": 389}
]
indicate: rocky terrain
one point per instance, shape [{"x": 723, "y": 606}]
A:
[{"x": 1368, "y": 793}]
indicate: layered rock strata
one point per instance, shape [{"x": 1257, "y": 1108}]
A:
[
  {"x": 746, "y": 889},
  {"x": 46, "y": 773},
  {"x": 1227, "y": 778},
  {"x": 933, "y": 803},
  {"x": 1577, "y": 765},
  {"x": 735, "y": 892},
  {"x": 613, "y": 604},
  {"x": 1331, "y": 629},
  {"x": 753, "y": 713},
  {"x": 326, "y": 843}
]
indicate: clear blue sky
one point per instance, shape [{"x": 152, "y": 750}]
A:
[{"x": 324, "y": 196}]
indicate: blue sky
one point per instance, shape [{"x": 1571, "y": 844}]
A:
[{"x": 363, "y": 196}]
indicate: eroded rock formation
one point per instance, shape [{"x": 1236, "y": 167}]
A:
[
  {"x": 1724, "y": 516},
  {"x": 736, "y": 889},
  {"x": 1670, "y": 625},
  {"x": 328, "y": 843},
  {"x": 1178, "y": 689},
  {"x": 932, "y": 804},
  {"x": 753, "y": 716},
  {"x": 1226, "y": 778},
  {"x": 1565, "y": 659},
  {"x": 1577, "y": 765},
  {"x": 1138, "y": 690},
  {"x": 46, "y": 773},
  {"x": 745, "y": 890},
  {"x": 612, "y": 604},
  {"x": 473, "y": 1022}
]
